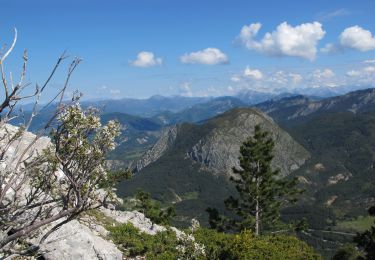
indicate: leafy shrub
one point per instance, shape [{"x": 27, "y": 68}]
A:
[
  {"x": 152, "y": 209},
  {"x": 347, "y": 252},
  {"x": 163, "y": 245},
  {"x": 217, "y": 245},
  {"x": 247, "y": 246}
]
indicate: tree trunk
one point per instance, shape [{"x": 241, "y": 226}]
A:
[{"x": 257, "y": 217}]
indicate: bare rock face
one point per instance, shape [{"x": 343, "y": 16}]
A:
[
  {"x": 80, "y": 239},
  {"x": 136, "y": 218},
  {"x": 19, "y": 146},
  {"x": 73, "y": 240},
  {"x": 219, "y": 150},
  {"x": 76, "y": 241},
  {"x": 167, "y": 138},
  {"x": 339, "y": 178}
]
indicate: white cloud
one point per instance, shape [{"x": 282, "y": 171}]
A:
[
  {"x": 208, "y": 56},
  {"x": 270, "y": 81},
  {"x": 146, "y": 59},
  {"x": 322, "y": 78},
  {"x": 185, "y": 89},
  {"x": 369, "y": 61},
  {"x": 370, "y": 69},
  {"x": 286, "y": 40},
  {"x": 323, "y": 74},
  {"x": 104, "y": 91},
  {"x": 114, "y": 91},
  {"x": 284, "y": 79},
  {"x": 231, "y": 89},
  {"x": 235, "y": 78},
  {"x": 324, "y": 16},
  {"x": 361, "y": 72},
  {"x": 353, "y": 73},
  {"x": 287, "y": 81},
  {"x": 296, "y": 78},
  {"x": 253, "y": 74},
  {"x": 247, "y": 74},
  {"x": 364, "y": 76},
  {"x": 357, "y": 38}
]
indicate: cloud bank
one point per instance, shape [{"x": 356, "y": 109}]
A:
[
  {"x": 146, "y": 59},
  {"x": 354, "y": 37},
  {"x": 208, "y": 56},
  {"x": 299, "y": 41}
]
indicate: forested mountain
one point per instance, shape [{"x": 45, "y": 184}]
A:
[
  {"x": 189, "y": 165},
  {"x": 339, "y": 178},
  {"x": 193, "y": 161}
]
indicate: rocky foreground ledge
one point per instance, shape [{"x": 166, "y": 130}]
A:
[{"x": 87, "y": 239}]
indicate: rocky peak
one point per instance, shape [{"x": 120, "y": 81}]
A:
[
  {"x": 165, "y": 141},
  {"x": 218, "y": 151}
]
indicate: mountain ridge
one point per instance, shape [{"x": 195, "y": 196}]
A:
[{"x": 190, "y": 172}]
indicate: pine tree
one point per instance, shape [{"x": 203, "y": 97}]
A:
[
  {"x": 261, "y": 190},
  {"x": 366, "y": 240}
]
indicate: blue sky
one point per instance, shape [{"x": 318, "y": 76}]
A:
[{"x": 194, "y": 48}]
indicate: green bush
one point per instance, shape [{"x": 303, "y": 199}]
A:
[
  {"x": 217, "y": 245},
  {"x": 152, "y": 209},
  {"x": 347, "y": 252},
  {"x": 163, "y": 245},
  {"x": 247, "y": 246}
]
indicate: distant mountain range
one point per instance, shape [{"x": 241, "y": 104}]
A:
[
  {"x": 147, "y": 107},
  {"x": 330, "y": 149},
  {"x": 191, "y": 163},
  {"x": 297, "y": 108}
]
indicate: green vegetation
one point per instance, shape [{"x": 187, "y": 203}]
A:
[
  {"x": 366, "y": 240},
  {"x": 244, "y": 245},
  {"x": 114, "y": 177},
  {"x": 137, "y": 136},
  {"x": 163, "y": 245},
  {"x": 152, "y": 209},
  {"x": 173, "y": 174},
  {"x": 100, "y": 217},
  {"x": 343, "y": 143},
  {"x": 339, "y": 143},
  {"x": 190, "y": 195},
  {"x": 359, "y": 224},
  {"x": 347, "y": 252},
  {"x": 261, "y": 192}
]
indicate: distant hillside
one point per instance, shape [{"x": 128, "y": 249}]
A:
[
  {"x": 339, "y": 133},
  {"x": 142, "y": 133},
  {"x": 298, "y": 108},
  {"x": 193, "y": 162},
  {"x": 201, "y": 111},
  {"x": 133, "y": 123},
  {"x": 137, "y": 136},
  {"x": 147, "y": 107}
]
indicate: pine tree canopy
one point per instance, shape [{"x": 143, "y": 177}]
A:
[{"x": 261, "y": 190}]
